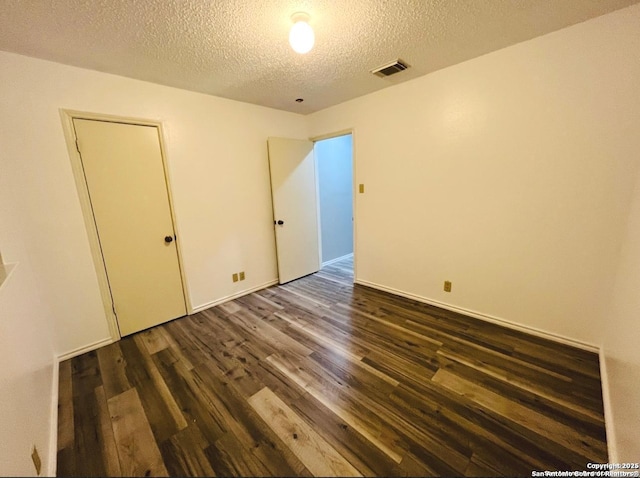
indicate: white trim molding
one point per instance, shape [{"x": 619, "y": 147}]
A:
[
  {"x": 84, "y": 349},
  {"x": 354, "y": 186},
  {"x": 337, "y": 259},
  {"x": 52, "y": 464},
  {"x": 486, "y": 317},
  {"x": 222, "y": 300},
  {"x": 53, "y": 432},
  {"x": 608, "y": 411},
  {"x": 67, "y": 117}
]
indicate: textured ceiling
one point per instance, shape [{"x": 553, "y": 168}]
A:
[{"x": 239, "y": 49}]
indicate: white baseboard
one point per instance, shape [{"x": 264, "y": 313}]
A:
[
  {"x": 52, "y": 464},
  {"x": 608, "y": 412},
  {"x": 84, "y": 349},
  {"x": 208, "y": 305},
  {"x": 337, "y": 259},
  {"x": 53, "y": 432},
  {"x": 488, "y": 318}
]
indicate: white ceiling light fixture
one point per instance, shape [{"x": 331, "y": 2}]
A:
[{"x": 301, "y": 36}]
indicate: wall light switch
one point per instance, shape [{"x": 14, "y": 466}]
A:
[
  {"x": 242, "y": 275},
  {"x": 447, "y": 286},
  {"x": 361, "y": 188}
]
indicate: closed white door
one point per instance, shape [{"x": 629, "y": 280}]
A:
[
  {"x": 295, "y": 207},
  {"x": 125, "y": 176}
]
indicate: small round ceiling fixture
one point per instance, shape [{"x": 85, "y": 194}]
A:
[
  {"x": 301, "y": 36},
  {"x": 299, "y": 100}
]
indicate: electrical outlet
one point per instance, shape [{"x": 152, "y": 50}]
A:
[
  {"x": 447, "y": 286},
  {"x": 35, "y": 457},
  {"x": 235, "y": 277},
  {"x": 361, "y": 188},
  {"x": 242, "y": 275}
]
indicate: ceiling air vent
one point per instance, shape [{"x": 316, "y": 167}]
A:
[{"x": 390, "y": 69}]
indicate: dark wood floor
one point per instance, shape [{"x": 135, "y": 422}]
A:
[{"x": 318, "y": 377}]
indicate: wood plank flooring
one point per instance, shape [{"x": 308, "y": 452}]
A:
[{"x": 321, "y": 378}]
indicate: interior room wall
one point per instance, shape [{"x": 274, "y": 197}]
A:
[
  {"x": 26, "y": 336},
  {"x": 621, "y": 341},
  {"x": 509, "y": 175},
  {"x": 26, "y": 379},
  {"x": 512, "y": 175},
  {"x": 217, "y": 161},
  {"x": 334, "y": 160}
]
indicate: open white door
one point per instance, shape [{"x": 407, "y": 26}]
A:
[
  {"x": 295, "y": 207},
  {"x": 125, "y": 177}
]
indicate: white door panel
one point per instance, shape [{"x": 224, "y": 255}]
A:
[
  {"x": 128, "y": 191},
  {"x": 293, "y": 186}
]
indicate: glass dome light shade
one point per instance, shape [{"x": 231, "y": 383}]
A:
[{"x": 301, "y": 37}]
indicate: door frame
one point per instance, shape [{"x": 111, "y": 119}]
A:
[
  {"x": 67, "y": 117},
  {"x": 354, "y": 189}
]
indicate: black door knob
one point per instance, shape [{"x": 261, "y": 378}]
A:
[
  {"x": 168, "y": 239},
  {"x": 280, "y": 222}
]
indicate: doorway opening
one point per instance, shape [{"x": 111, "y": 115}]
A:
[
  {"x": 312, "y": 194},
  {"x": 334, "y": 166}
]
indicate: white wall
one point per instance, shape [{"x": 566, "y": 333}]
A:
[
  {"x": 512, "y": 176},
  {"x": 26, "y": 335},
  {"x": 509, "y": 175},
  {"x": 218, "y": 167},
  {"x": 334, "y": 161},
  {"x": 25, "y": 376},
  {"x": 621, "y": 342}
]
